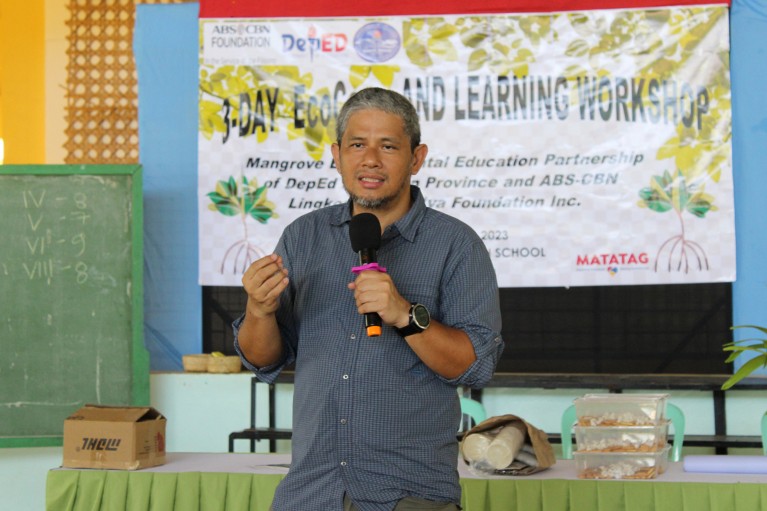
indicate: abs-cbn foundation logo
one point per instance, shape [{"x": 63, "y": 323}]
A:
[{"x": 99, "y": 444}]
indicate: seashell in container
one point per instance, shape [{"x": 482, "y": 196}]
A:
[
  {"x": 621, "y": 409},
  {"x": 622, "y": 438},
  {"x": 196, "y": 363},
  {"x": 621, "y": 465}
]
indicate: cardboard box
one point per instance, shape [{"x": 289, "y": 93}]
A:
[{"x": 122, "y": 437}]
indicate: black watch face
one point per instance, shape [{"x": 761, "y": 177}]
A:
[{"x": 421, "y": 316}]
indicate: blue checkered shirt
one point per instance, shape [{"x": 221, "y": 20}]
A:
[{"x": 369, "y": 418}]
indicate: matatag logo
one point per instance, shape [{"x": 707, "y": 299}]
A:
[
  {"x": 612, "y": 262},
  {"x": 323, "y": 43}
]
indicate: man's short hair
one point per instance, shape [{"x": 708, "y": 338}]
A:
[{"x": 391, "y": 102}]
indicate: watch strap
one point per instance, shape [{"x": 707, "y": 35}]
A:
[{"x": 412, "y": 327}]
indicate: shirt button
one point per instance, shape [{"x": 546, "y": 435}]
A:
[
  {"x": 343, "y": 421},
  {"x": 346, "y": 377},
  {"x": 353, "y": 337},
  {"x": 343, "y": 463}
]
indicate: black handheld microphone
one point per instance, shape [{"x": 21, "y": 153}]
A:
[{"x": 365, "y": 235}]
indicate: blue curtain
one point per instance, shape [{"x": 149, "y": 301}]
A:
[{"x": 165, "y": 45}]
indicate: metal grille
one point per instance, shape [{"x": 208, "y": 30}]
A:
[
  {"x": 621, "y": 329},
  {"x": 220, "y": 306}
]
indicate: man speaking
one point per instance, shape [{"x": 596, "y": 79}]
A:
[{"x": 374, "y": 416}]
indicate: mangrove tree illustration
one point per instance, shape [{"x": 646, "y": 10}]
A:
[
  {"x": 246, "y": 200},
  {"x": 672, "y": 193}
]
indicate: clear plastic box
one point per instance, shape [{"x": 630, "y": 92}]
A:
[
  {"x": 620, "y": 409},
  {"x": 622, "y": 438},
  {"x": 621, "y": 465}
]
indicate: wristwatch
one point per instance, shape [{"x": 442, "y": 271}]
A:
[{"x": 419, "y": 320}]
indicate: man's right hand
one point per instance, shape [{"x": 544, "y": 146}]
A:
[
  {"x": 259, "y": 336},
  {"x": 263, "y": 281}
]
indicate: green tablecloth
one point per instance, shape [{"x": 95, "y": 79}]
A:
[
  {"x": 246, "y": 482},
  {"x": 158, "y": 491}
]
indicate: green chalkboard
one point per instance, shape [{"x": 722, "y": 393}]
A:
[{"x": 71, "y": 296}]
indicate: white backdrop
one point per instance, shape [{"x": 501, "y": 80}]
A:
[{"x": 586, "y": 148}]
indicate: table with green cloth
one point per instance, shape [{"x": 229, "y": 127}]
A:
[{"x": 246, "y": 482}]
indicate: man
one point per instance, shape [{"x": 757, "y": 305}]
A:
[{"x": 374, "y": 418}]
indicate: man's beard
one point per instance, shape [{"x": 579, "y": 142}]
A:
[{"x": 377, "y": 203}]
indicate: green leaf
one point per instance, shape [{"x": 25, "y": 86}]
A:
[
  {"x": 218, "y": 199},
  {"x": 231, "y": 187},
  {"x": 577, "y": 48},
  {"x": 254, "y": 198},
  {"x": 477, "y": 59},
  {"x": 228, "y": 210},
  {"x": 261, "y": 214},
  {"x": 699, "y": 208},
  {"x": 661, "y": 185},
  {"x": 418, "y": 54},
  {"x": 679, "y": 193},
  {"x": 746, "y": 369},
  {"x": 739, "y": 347},
  {"x": 659, "y": 206},
  {"x": 654, "y": 201},
  {"x": 440, "y": 29},
  {"x": 474, "y": 36}
]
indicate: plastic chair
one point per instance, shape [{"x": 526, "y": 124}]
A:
[
  {"x": 764, "y": 433},
  {"x": 673, "y": 412},
  {"x": 568, "y": 421},
  {"x": 676, "y": 416},
  {"x": 473, "y": 409}
]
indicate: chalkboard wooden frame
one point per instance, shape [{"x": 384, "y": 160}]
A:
[{"x": 138, "y": 388}]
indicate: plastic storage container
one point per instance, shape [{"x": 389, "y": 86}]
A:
[
  {"x": 621, "y": 465},
  {"x": 620, "y": 409},
  {"x": 622, "y": 438}
]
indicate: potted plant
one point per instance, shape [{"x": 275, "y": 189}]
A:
[{"x": 752, "y": 344}]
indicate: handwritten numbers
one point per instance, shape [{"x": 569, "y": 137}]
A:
[
  {"x": 78, "y": 240},
  {"x": 82, "y": 272}
]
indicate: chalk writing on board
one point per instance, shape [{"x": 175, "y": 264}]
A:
[
  {"x": 44, "y": 238},
  {"x": 68, "y": 263}
]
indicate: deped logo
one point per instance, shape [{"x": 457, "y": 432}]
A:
[{"x": 324, "y": 43}]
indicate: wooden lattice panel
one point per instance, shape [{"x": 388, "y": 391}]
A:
[{"x": 101, "y": 90}]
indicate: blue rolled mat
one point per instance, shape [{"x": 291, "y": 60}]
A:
[{"x": 726, "y": 464}]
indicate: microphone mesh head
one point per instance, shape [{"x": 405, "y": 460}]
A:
[{"x": 365, "y": 232}]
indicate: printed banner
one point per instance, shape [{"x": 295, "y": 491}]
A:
[{"x": 585, "y": 148}]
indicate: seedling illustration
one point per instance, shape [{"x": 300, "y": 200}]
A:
[
  {"x": 247, "y": 200},
  {"x": 673, "y": 193}
]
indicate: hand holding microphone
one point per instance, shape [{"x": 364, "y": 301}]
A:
[
  {"x": 365, "y": 236},
  {"x": 374, "y": 288}
]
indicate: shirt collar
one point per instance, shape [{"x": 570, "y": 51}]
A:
[{"x": 407, "y": 226}]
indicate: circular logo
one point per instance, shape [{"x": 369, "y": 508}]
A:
[{"x": 377, "y": 42}]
